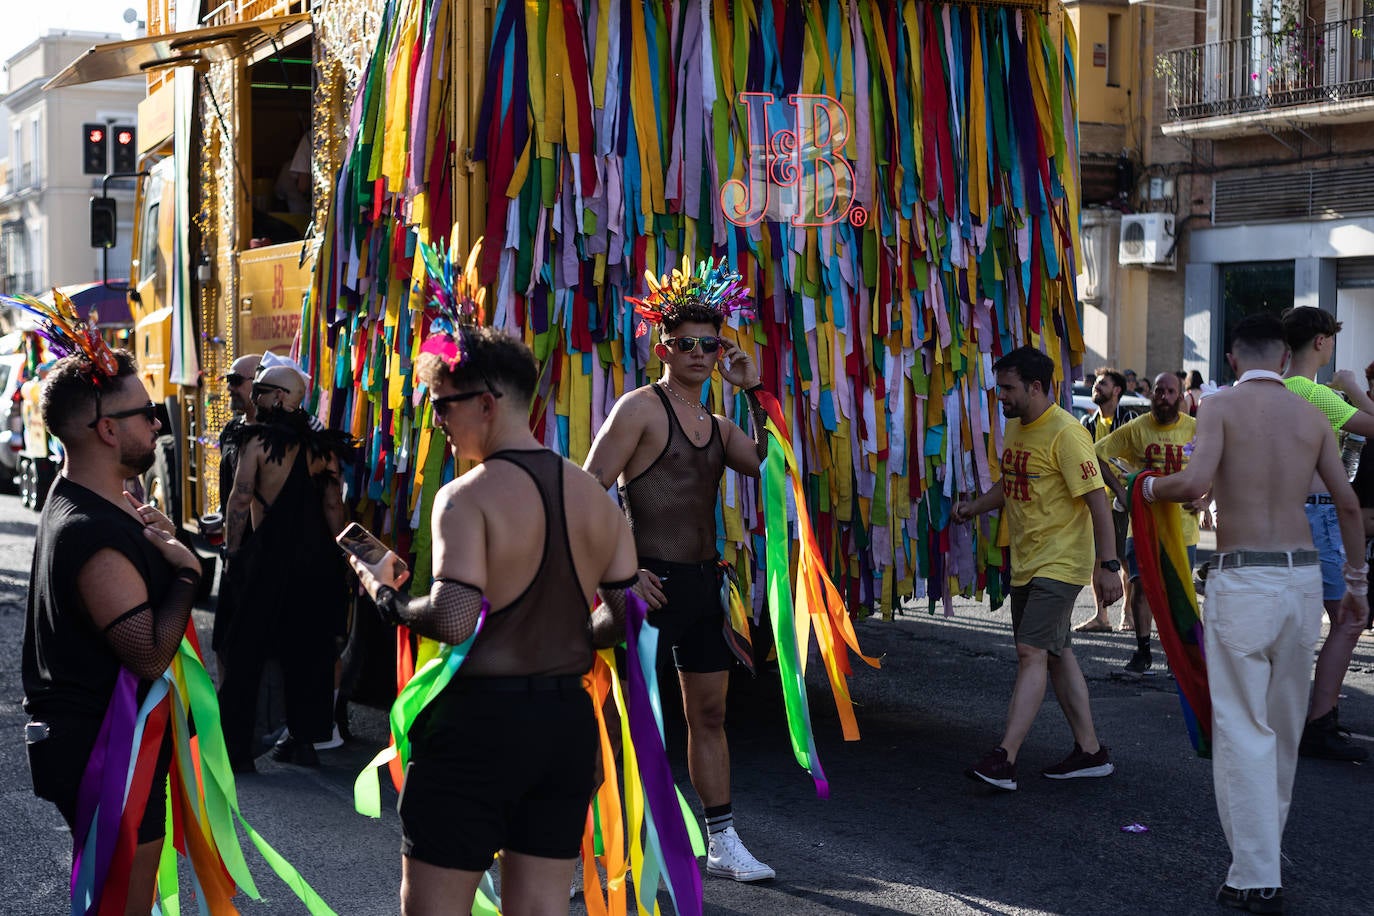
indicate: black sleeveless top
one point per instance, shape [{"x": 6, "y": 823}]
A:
[
  {"x": 68, "y": 666},
  {"x": 543, "y": 632},
  {"x": 672, "y": 503}
]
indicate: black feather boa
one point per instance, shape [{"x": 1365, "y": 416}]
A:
[{"x": 279, "y": 430}]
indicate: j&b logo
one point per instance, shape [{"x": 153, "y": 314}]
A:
[{"x": 798, "y": 174}]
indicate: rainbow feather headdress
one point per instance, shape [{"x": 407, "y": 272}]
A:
[
  {"x": 714, "y": 285},
  {"x": 67, "y": 335},
  {"x": 456, "y": 295}
]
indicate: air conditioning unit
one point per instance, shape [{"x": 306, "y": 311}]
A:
[{"x": 1147, "y": 238}]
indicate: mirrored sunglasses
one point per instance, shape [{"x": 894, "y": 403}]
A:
[{"x": 688, "y": 344}]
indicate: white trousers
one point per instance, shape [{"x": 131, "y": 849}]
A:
[{"x": 1261, "y": 625}]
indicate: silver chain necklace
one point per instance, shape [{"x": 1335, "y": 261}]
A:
[{"x": 701, "y": 411}]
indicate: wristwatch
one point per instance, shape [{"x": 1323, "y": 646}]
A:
[{"x": 1111, "y": 565}]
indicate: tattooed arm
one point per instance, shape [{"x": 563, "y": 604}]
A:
[{"x": 239, "y": 508}]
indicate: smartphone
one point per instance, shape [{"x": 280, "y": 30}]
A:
[{"x": 357, "y": 540}]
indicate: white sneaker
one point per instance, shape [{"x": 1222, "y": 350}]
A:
[
  {"x": 727, "y": 858},
  {"x": 335, "y": 740}
]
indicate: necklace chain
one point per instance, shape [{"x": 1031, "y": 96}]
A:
[{"x": 699, "y": 408}]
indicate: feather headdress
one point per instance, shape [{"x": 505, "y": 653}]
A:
[
  {"x": 713, "y": 286},
  {"x": 66, "y": 334},
  {"x": 455, "y": 294}
]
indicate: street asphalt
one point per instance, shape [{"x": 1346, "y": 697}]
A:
[{"x": 902, "y": 832}]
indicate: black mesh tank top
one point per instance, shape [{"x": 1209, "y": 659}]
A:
[
  {"x": 672, "y": 504},
  {"x": 543, "y": 632}
]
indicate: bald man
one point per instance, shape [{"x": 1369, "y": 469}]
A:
[{"x": 283, "y": 513}]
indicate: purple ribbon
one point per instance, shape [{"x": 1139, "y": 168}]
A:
[
  {"x": 678, "y": 860},
  {"x": 104, "y": 779}
]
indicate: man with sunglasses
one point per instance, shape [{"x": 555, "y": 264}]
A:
[
  {"x": 668, "y": 452},
  {"x": 283, "y": 512},
  {"x": 505, "y": 756},
  {"x": 239, "y": 383},
  {"x": 111, "y": 587}
]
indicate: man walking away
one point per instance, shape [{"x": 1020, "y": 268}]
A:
[{"x": 1258, "y": 447}]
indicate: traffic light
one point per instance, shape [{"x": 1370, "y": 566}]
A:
[
  {"x": 95, "y": 142},
  {"x": 103, "y": 222},
  {"x": 125, "y": 149}
]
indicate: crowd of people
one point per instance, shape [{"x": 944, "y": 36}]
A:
[{"x": 505, "y": 758}]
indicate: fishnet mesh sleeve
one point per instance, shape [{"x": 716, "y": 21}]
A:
[
  {"x": 448, "y": 613},
  {"x": 144, "y": 638},
  {"x": 757, "y": 418},
  {"x": 608, "y": 620}
]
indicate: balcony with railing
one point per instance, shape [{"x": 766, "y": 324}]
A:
[{"x": 1316, "y": 73}]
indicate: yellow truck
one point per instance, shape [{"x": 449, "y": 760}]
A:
[{"x": 230, "y": 139}]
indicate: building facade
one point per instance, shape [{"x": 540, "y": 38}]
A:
[
  {"x": 1244, "y": 138},
  {"x": 44, "y": 192}
]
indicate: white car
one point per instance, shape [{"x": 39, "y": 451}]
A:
[{"x": 1083, "y": 402}]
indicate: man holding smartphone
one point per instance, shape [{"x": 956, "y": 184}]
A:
[
  {"x": 505, "y": 757},
  {"x": 661, "y": 444},
  {"x": 111, "y": 587}
]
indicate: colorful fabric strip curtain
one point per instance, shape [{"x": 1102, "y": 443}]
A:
[
  {"x": 932, "y": 225},
  {"x": 1168, "y": 582}
]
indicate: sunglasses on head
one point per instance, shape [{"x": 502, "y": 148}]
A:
[
  {"x": 440, "y": 403},
  {"x": 260, "y": 389},
  {"x": 147, "y": 411},
  {"x": 688, "y": 344}
]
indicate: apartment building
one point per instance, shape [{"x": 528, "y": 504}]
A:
[
  {"x": 1265, "y": 114},
  {"x": 1241, "y": 137},
  {"x": 44, "y": 192}
]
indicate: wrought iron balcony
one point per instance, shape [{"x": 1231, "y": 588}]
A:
[{"x": 1308, "y": 65}]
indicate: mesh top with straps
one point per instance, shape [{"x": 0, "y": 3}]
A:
[
  {"x": 672, "y": 503},
  {"x": 543, "y": 632}
]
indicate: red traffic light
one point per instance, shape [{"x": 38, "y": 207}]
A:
[
  {"x": 95, "y": 135},
  {"x": 124, "y": 137}
]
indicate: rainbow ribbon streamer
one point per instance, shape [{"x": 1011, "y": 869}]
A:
[
  {"x": 1168, "y": 582},
  {"x": 606, "y": 134},
  {"x": 202, "y": 800},
  {"x": 821, "y": 608},
  {"x": 663, "y": 838}
]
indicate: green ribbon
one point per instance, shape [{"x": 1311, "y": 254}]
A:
[{"x": 781, "y": 614}]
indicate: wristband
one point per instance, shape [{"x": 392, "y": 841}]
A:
[
  {"x": 753, "y": 388},
  {"x": 385, "y": 600},
  {"x": 1147, "y": 489}
]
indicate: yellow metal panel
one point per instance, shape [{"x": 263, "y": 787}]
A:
[{"x": 272, "y": 282}]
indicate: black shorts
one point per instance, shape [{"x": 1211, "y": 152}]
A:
[
  {"x": 692, "y": 623},
  {"x": 499, "y": 763},
  {"x": 57, "y": 763}
]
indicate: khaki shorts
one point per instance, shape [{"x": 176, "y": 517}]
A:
[{"x": 1041, "y": 613}]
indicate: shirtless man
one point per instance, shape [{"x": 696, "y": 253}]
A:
[
  {"x": 668, "y": 452},
  {"x": 504, "y": 758},
  {"x": 1258, "y": 446},
  {"x": 288, "y": 573}
]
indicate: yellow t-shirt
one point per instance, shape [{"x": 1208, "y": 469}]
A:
[
  {"x": 1145, "y": 444},
  {"x": 1046, "y": 466}
]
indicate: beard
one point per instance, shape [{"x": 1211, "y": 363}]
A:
[
  {"x": 1164, "y": 413},
  {"x": 138, "y": 462}
]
